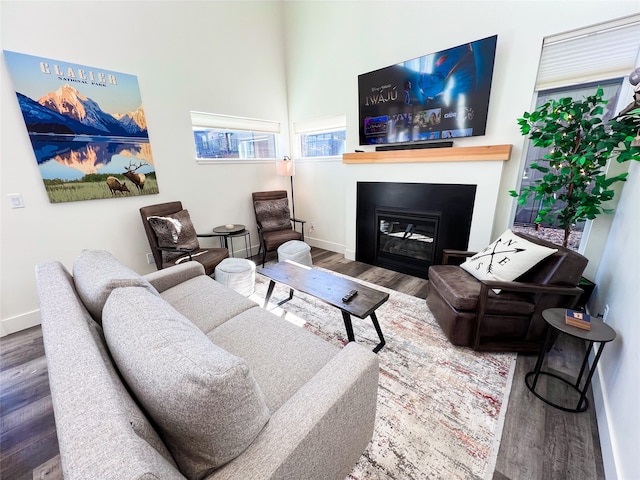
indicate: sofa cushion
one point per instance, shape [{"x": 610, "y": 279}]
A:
[
  {"x": 205, "y": 401},
  {"x": 97, "y": 273},
  {"x": 174, "y": 231},
  {"x": 205, "y": 302},
  {"x": 506, "y": 259},
  {"x": 273, "y": 214},
  {"x": 281, "y": 355}
]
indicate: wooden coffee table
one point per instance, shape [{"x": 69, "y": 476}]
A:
[{"x": 329, "y": 288}]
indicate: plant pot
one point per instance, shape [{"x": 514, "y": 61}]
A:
[{"x": 588, "y": 286}]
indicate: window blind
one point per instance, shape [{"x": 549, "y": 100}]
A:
[
  {"x": 322, "y": 124},
  {"x": 600, "y": 52},
  {"x": 226, "y": 122}
]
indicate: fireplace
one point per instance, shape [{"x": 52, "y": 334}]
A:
[
  {"x": 406, "y": 236},
  {"x": 405, "y": 226}
]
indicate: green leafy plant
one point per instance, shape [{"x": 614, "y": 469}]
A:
[{"x": 574, "y": 186}]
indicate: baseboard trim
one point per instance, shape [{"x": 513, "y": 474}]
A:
[
  {"x": 19, "y": 322},
  {"x": 331, "y": 246},
  {"x": 602, "y": 408}
]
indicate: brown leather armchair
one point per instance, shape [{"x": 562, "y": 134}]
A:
[
  {"x": 180, "y": 246},
  {"x": 471, "y": 314},
  {"x": 275, "y": 225}
]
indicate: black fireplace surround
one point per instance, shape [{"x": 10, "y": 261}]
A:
[{"x": 405, "y": 226}]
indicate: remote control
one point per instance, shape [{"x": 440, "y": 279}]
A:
[{"x": 349, "y": 295}]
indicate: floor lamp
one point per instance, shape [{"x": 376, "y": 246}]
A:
[{"x": 287, "y": 168}]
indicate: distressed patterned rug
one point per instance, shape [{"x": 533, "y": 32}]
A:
[{"x": 440, "y": 408}]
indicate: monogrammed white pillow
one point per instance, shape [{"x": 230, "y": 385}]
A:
[{"x": 506, "y": 259}]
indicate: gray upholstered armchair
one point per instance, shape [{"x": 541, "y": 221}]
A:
[{"x": 472, "y": 314}]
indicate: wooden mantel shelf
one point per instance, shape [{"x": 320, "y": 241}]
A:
[{"x": 446, "y": 154}]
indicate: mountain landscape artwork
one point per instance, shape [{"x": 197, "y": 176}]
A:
[{"x": 87, "y": 127}]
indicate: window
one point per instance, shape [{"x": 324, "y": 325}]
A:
[
  {"x": 321, "y": 137},
  {"x": 220, "y": 138},
  {"x": 325, "y": 144},
  {"x": 215, "y": 143}
]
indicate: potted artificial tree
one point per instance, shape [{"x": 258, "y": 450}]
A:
[{"x": 574, "y": 186}]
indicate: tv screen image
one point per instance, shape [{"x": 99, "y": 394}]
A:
[{"x": 438, "y": 96}]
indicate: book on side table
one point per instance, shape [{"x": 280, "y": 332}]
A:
[{"x": 578, "y": 319}]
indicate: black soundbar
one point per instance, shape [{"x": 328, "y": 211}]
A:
[{"x": 413, "y": 146}]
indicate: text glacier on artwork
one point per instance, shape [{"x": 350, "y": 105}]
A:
[{"x": 80, "y": 74}]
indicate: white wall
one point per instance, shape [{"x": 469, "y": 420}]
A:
[
  {"x": 222, "y": 57},
  {"x": 616, "y": 387},
  {"x": 330, "y": 43}
]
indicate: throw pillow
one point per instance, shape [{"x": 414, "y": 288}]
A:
[
  {"x": 506, "y": 259},
  {"x": 174, "y": 231},
  {"x": 273, "y": 214},
  {"x": 204, "y": 400},
  {"x": 96, "y": 273}
]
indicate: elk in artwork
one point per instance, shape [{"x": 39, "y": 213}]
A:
[{"x": 137, "y": 178}]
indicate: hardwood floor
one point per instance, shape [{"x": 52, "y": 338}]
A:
[
  {"x": 538, "y": 441},
  {"x": 543, "y": 442},
  {"x": 28, "y": 442}
]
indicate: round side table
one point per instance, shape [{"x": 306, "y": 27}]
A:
[
  {"x": 600, "y": 332},
  {"x": 228, "y": 232}
]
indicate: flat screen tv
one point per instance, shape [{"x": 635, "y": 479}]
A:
[{"x": 443, "y": 95}]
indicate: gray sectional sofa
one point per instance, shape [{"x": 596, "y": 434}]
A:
[{"x": 172, "y": 375}]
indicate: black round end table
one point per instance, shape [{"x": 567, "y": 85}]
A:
[
  {"x": 226, "y": 234},
  {"x": 600, "y": 332}
]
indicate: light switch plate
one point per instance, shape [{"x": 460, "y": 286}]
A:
[{"x": 16, "y": 200}]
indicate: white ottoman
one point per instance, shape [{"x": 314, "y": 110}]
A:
[
  {"x": 238, "y": 274},
  {"x": 296, "y": 251}
]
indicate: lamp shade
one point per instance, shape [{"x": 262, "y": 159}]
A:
[{"x": 285, "y": 167}]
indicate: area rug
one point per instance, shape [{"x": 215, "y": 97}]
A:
[{"x": 440, "y": 408}]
